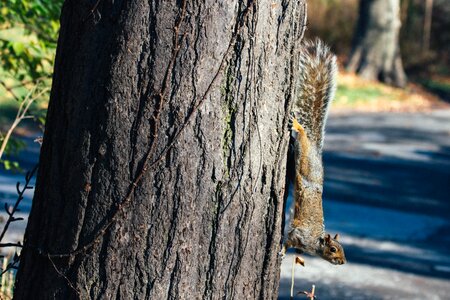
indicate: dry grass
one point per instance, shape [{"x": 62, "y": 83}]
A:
[
  {"x": 357, "y": 94},
  {"x": 7, "y": 280}
]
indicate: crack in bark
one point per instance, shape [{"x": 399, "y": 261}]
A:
[
  {"x": 174, "y": 279},
  {"x": 173, "y": 223},
  {"x": 207, "y": 293}
]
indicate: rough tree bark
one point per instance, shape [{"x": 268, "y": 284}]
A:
[
  {"x": 183, "y": 106},
  {"x": 375, "y": 52}
]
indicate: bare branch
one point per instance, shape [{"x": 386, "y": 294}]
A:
[
  {"x": 20, "y": 197},
  {"x": 7, "y": 245},
  {"x": 21, "y": 114},
  {"x": 9, "y": 90},
  {"x": 34, "y": 81}
]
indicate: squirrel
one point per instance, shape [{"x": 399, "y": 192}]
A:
[{"x": 316, "y": 90}]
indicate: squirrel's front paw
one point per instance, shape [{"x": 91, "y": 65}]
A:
[{"x": 282, "y": 252}]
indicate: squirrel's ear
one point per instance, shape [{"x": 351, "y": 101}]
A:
[
  {"x": 336, "y": 237},
  {"x": 327, "y": 238}
]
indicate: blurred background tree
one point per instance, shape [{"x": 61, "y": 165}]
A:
[
  {"x": 28, "y": 35},
  {"x": 375, "y": 52},
  {"x": 335, "y": 21}
]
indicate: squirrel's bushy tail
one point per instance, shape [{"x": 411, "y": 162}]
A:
[{"x": 317, "y": 86}]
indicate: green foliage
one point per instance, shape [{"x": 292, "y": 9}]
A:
[
  {"x": 10, "y": 165},
  {"x": 28, "y": 37},
  {"x": 13, "y": 147}
]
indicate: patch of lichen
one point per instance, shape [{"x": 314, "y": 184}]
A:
[{"x": 229, "y": 108}]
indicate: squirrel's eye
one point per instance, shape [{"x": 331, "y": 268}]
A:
[{"x": 333, "y": 249}]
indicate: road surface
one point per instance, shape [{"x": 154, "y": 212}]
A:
[{"x": 387, "y": 193}]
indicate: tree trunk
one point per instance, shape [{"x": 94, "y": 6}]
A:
[
  {"x": 376, "y": 52},
  {"x": 162, "y": 172},
  {"x": 427, "y": 25}
]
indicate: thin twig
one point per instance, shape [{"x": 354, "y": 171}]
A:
[
  {"x": 10, "y": 211},
  {"x": 9, "y": 90},
  {"x": 311, "y": 295},
  {"x": 35, "y": 81},
  {"x": 6, "y": 270},
  {"x": 64, "y": 276},
  {"x": 20, "y": 115},
  {"x": 5, "y": 245},
  {"x": 20, "y": 192},
  {"x": 92, "y": 10},
  {"x": 292, "y": 278}
]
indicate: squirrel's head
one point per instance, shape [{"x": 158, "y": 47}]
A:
[{"x": 332, "y": 250}]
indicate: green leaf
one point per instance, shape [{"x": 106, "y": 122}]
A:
[
  {"x": 41, "y": 120},
  {"x": 4, "y": 11},
  {"x": 7, "y": 164},
  {"x": 18, "y": 47}
]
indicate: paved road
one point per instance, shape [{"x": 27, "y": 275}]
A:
[{"x": 387, "y": 192}]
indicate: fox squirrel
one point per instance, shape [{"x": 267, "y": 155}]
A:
[{"x": 317, "y": 86}]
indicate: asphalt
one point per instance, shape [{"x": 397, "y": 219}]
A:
[{"x": 387, "y": 193}]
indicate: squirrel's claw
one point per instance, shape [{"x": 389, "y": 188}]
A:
[{"x": 282, "y": 252}]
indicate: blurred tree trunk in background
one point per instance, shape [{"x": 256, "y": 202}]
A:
[
  {"x": 427, "y": 25},
  {"x": 173, "y": 114},
  {"x": 375, "y": 52}
]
